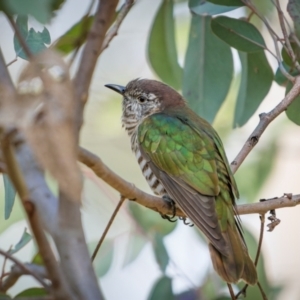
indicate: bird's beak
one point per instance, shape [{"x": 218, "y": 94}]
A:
[{"x": 117, "y": 88}]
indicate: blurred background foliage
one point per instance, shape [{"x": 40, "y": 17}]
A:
[{"x": 187, "y": 44}]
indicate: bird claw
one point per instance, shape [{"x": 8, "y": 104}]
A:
[
  {"x": 185, "y": 222},
  {"x": 172, "y": 203}
]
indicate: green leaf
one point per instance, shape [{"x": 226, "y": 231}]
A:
[
  {"x": 75, "y": 36},
  {"x": 238, "y": 34},
  {"x": 293, "y": 110},
  {"x": 162, "y": 52},
  {"x": 160, "y": 251},
  {"x": 136, "y": 244},
  {"x": 40, "y": 10},
  {"x": 3, "y": 296},
  {"x": 227, "y": 2},
  {"x": 104, "y": 257},
  {"x": 257, "y": 171},
  {"x": 287, "y": 58},
  {"x": 149, "y": 221},
  {"x": 35, "y": 40},
  {"x": 37, "y": 260},
  {"x": 162, "y": 289},
  {"x": 208, "y": 69},
  {"x": 25, "y": 239},
  {"x": 32, "y": 292},
  {"x": 293, "y": 9},
  {"x": 256, "y": 80},
  {"x": 201, "y": 8},
  {"x": 10, "y": 195}
]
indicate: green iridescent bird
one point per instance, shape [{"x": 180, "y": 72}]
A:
[{"x": 182, "y": 157}]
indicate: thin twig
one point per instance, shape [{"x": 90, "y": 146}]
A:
[
  {"x": 122, "y": 199},
  {"x": 231, "y": 291},
  {"x": 11, "y": 62},
  {"x": 25, "y": 269},
  {"x": 16, "y": 272},
  {"x": 261, "y": 234},
  {"x": 274, "y": 37},
  {"x": 113, "y": 31},
  {"x": 265, "y": 120},
  {"x": 262, "y": 291},
  {"x": 290, "y": 50}
]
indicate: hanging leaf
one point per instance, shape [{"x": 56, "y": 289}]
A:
[
  {"x": 208, "y": 69},
  {"x": 35, "y": 40},
  {"x": 10, "y": 195},
  {"x": 104, "y": 258},
  {"x": 150, "y": 221},
  {"x": 202, "y": 8},
  {"x": 75, "y": 36},
  {"x": 162, "y": 289},
  {"x": 256, "y": 80},
  {"x": 293, "y": 9},
  {"x": 136, "y": 244},
  {"x": 239, "y": 34},
  {"x": 25, "y": 239},
  {"x": 280, "y": 78},
  {"x": 32, "y": 292},
  {"x": 162, "y": 52},
  {"x": 160, "y": 251},
  {"x": 293, "y": 110}
]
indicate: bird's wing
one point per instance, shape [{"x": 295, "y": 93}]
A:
[{"x": 184, "y": 160}]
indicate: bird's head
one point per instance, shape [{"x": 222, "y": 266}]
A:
[{"x": 144, "y": 97}]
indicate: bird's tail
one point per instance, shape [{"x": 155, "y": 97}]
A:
[{"x": 237, "y": 264}]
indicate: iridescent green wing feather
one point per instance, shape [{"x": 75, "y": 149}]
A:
[{"x": 184, "y": 159}]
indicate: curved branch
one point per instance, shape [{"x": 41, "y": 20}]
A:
[
  {"x": 265, "y": 120},
  {"x": 129, "y": 191}
]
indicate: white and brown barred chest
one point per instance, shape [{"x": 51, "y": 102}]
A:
[{"x": 152, "y": 180}]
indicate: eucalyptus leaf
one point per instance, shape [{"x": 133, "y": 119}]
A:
[
  {"x": 293, "y": 110},
  {"x": 293, "y": 9},
  {"x": 40, "y": 10},
  {"x": 25, "y": 239},
  {"x": 10, "y": 195},
  {"x": 35, "y": 291},
  {"x": 35, "y": 40},
  {"x": 203, "y": 8},
  {"x": 162, "y": 289},
  {"x": 160, "y": 251},
  {"x": 239, "y": 34},
  {"x": 37, "y": 259},
  {"x": 104, "y": 258},
  {"x": 136, "y": 244},
  {"x": 162, "y": 51},
  {"x": 208, "y": 69},
  {"x": 256, "y": 80},
  {"x": 75, "y": 36}
]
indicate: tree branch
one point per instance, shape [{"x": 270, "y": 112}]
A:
[
  {"x": 19, "y": 269},
  {"x": 158, "y": 204},
  {"x": 103, "y": 18},
  {"x": 265, "y": 120},
  {"x": 113, "y": 31}
]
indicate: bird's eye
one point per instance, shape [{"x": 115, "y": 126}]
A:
[{"x": 142, "y": 99}]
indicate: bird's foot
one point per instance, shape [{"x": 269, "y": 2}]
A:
[
  {"x": 173, "y": 205},
  {"x": 185, "y": 222}
]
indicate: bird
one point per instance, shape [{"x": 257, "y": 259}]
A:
[{"x": 182, "y": 158}]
